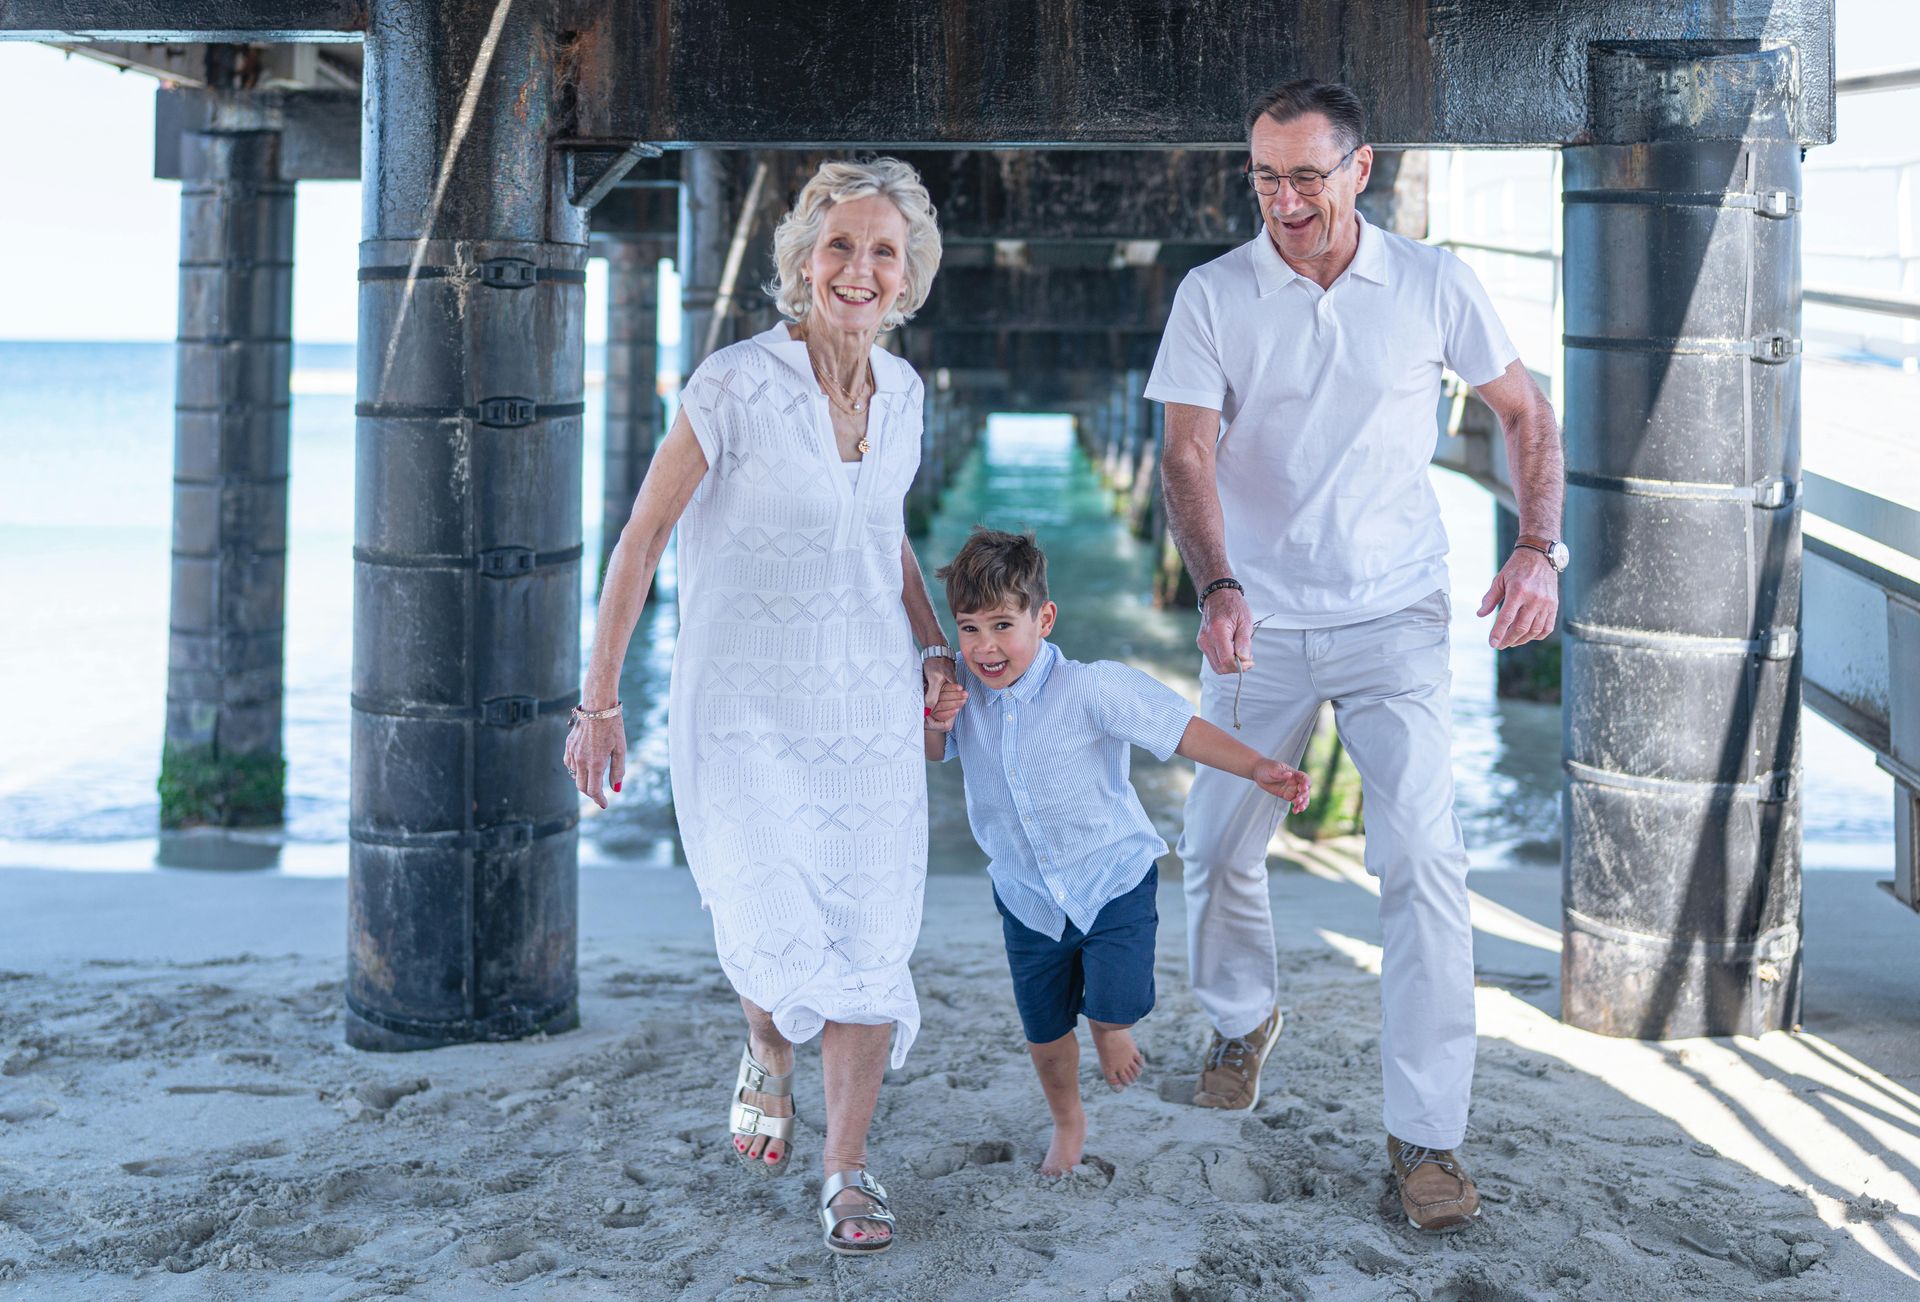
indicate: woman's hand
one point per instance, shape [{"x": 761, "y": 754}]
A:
[{"x": 597, "y": 751}]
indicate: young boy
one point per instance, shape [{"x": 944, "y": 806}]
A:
[{"x": 1045, "y": 744}]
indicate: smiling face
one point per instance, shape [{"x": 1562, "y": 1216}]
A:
[
  {"x": 999, "y": 644},
  {"x": 858, "y": 265},
  {"x": 1312, "y": 231}
]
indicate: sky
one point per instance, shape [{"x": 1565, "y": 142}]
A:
[{"x": 93, "y": 239}]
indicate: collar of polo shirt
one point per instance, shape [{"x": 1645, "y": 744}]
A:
[
  {"x": 1273, "y": 273},
  {"x": 1028, "y": 685}
]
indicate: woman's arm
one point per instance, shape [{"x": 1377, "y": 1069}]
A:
[
  {"x": 597, "y": 746},
  {"x": 925, "y": 624}
]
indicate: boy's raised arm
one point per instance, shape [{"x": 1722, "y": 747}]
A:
[{"x": 1205, "y": 744}]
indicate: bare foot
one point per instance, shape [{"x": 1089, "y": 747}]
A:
[
  {"x": 1120, "y": 1058},
  {"x": 778, "y": 1061},
  {"x": 1069, "y": 1143}
]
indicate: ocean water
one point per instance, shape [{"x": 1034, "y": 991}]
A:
[{"x": 86, "y": 448}]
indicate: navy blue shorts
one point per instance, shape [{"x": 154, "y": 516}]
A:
[{"x": 1105, "y": 973}]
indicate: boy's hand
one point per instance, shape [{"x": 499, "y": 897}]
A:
[
  {"x": 946, "y": 707},
  {"x": 1276, "y": 779}
]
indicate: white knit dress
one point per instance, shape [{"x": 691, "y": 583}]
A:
[{"x": 794, "y": 721}]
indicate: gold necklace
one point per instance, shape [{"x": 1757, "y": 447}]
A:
[{"x": 841, "y": 398}]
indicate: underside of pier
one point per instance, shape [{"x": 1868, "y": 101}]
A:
[{"x": 1083, "y": 156}]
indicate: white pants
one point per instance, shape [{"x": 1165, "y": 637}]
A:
[{"x": 1387, "y": 679}]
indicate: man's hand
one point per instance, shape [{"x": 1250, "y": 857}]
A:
[
  {"x": 946, "y": 707},
  {"x": 1276, "y": 779},
  {"x": 1527, "y": 591},
  {"x": 1226, "y": 632}
]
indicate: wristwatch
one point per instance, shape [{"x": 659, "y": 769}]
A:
[
  {"x": 929, "y": 652},
  {"x": 1554, "y": 550}
]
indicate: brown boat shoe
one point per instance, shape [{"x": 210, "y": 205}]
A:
[
  {"x": 1435, "y": 1190},
  {"x": 1230, "y": 1073}
]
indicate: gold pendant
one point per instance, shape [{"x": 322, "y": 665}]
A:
[{"x": 861, "y": 447}]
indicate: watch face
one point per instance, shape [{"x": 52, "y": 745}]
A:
[{"x": 1558, "y": 556}]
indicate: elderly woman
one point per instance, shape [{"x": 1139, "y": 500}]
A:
[{"x": 798, "y": 695}]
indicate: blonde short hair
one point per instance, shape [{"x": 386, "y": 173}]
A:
[{"x": 837, "y": 182}]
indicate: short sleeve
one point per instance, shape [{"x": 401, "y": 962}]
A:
[
  {"x": 699, "y": 398},
  {"x": 1473, "y": 343},
  {"x": 1187, "y": 369},
  {"x": 1137, "y": 708}
]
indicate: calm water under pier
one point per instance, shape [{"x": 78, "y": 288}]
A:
[{"x": 84, "y": 510}]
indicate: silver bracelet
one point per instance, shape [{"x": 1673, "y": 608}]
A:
[{"x": 937, "y": 649}]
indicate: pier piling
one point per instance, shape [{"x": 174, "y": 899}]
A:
[
  {"x": 221, "y": 762},
  {"x": 466, "y": 656},
  {"x": 1682, "y": 308}
]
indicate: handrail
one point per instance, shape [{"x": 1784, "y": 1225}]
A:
[
  {"x": 1886, "y": 79},
  {"x": 1899, "y": 305}
]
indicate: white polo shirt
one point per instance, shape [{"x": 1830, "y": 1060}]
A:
[{"x": 1328, "y": 401}]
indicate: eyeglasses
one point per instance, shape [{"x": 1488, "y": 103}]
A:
[{"x": 1306, "y": 181}]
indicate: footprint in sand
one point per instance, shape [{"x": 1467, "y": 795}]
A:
[
  {"x": 1093, "y": 1171},
  {"x": 948, "y": 1158},
  {"x": 512, "y": 1255},
  {"x": 382, "y": 1097},
  {"x": 1178, "y": 1089},
  {"x": 1231, "y": 1177},
  {"x": 262, "y": 1091},
  {"x": 27, "y": 1110},
  {"x": 623, "y": 1213},
  {"x": 159, "y": 1167}
]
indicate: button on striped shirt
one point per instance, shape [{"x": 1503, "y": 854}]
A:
[{"x": 1046, "y": 762}]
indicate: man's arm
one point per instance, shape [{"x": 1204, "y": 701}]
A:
[
  {"x": 1199, "y": 531},
  {"x": 1526, "y": 590}
]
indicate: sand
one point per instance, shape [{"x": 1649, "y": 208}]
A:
[{"x": 179, "y": 1118}]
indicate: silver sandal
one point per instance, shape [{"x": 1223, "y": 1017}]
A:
[
  {"x": 747, "y": 1120},
  {"x": 832, "y": 1218}
]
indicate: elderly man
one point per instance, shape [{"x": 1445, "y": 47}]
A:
[{"x": 1300, "y": 374}]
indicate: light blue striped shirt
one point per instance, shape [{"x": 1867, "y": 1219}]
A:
[{"x": 1046, "y": 761}]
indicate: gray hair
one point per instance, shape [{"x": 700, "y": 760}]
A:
[
  {"x": 1333, "y": 101},
  {"x": 837, "y": 182}
]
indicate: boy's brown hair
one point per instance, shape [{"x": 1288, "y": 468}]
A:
[{"x": 995, "y": 568}]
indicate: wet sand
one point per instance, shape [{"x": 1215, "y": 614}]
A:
[{"x": 179, "y": 1118}]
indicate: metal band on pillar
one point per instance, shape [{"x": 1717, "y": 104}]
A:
[
  {"x": 1682, "y": 893},
  {"x": 221, "y": 764},
  {"x": 466, "y": 656}
]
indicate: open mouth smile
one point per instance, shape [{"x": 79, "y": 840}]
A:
[
  {"x": 853, "y": 295},
  {"x": 990, "y": 668}
]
